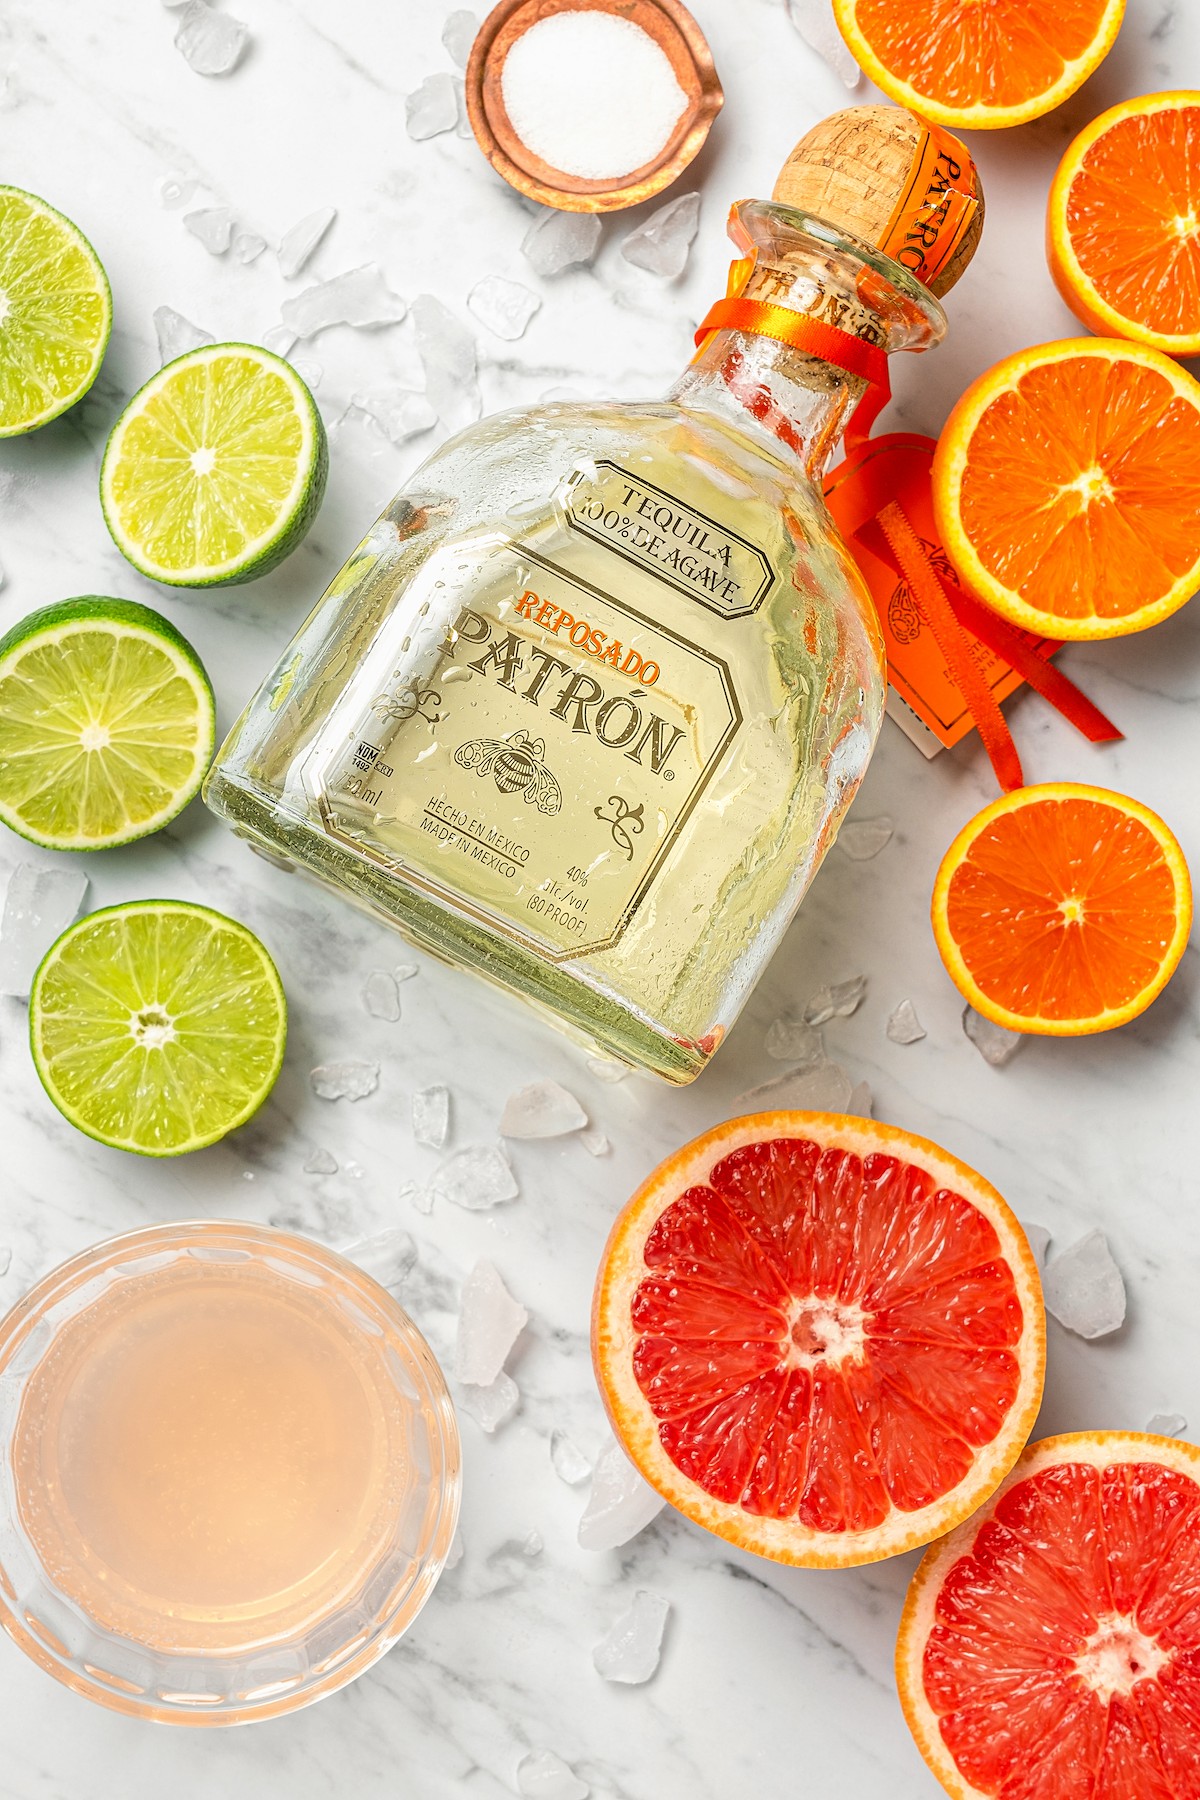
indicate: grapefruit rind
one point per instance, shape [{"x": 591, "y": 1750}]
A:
[
  {"x": 1034, "y": 1024},
  {"x": 1070, "y": 277},
  {"x": 1101, "y": 1448},
  {"x": 613, "y": 1340},
  {"x": 978, "y": 117},
  {"x": 953, "y": 455}
]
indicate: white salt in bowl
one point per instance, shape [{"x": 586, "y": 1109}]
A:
[{"x": 591, "y": 105}]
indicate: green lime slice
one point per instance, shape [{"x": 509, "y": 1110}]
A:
[
  {"x": 158, "y": 1026},
  {"x": 106, "y": 724},
  {"x": 55, "y": 313},
  {"x": 216, "y": 468}
]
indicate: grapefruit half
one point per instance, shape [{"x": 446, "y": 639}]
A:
[
  {"x": 1050, "y": 1647},
  {"x": 820, "y": 1337}
]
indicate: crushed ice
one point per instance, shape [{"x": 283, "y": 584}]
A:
[
  {"x": 431, "y": 1116},
  {"x": 630, "y": 1651},
  {"x": 1158, "y": 1424},
  {"x": 380, "y": 995},
  {"x": 476, "y": 1178},
  {"x": 458, "y": 34},
  {"x": 388, "y": 1256},
  {"x": 320, "y": 1162},
  {"x": 836, "y": 1001},
  {"x": 248, "y": 246},
  {"x": 401, "y": 414},
  {"x": 605, "y": 1070},
  {"x": 504, "y": 306},
  {"x": 862, "y": 839},
  {"x": 903, "y": 1026},
  {"x": 814, "y": 20},
  {"x": 662, "y": 242},
  {"x": 489, "y": 1323},
  {"x": 543, "y": 1109},
  {"x": 1083, "y": 1288},
  {"x": 38, "y": 907},
  {"x": 826, "y": 1087},
  {"x": 570, "y": 1464},
  {"x": 299, "y": 243},
  {"x": 620, "y": 1504},
  {"x": 594, "y": 1141},
  {"x": 431, "y": 108},
  {"x": 791, "y": 1040},
  {"x": 360, "y": 297},
  {"x": 995, "y": 1043},
  {"x": 492, "y": 1406},
  {"x": 210, "y": 42},
  {"x": 449, "y": 357},
  {"x": 345, "y": 1080},
  {"x": 561, "y": 240},
  {"x": 177, "y": 335},
  {"x": 541, "y": 1775},
  {"x": 1039, "y": 1240},
  {"x": 213, "y": 225}
]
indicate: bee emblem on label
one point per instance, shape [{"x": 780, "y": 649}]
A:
[
  {"x": 904, "y": 615},
  {"x": 516, "y": 766}
]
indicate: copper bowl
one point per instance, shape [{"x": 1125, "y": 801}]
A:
[{"x": 683, "y": 43}]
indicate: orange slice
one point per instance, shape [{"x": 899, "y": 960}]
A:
[
  {"x": 1062, "y": 909},
  {"x": 819, "y": 1337},
  {"x": 1066, "y": 487},
  {"x": 1050, "y": 1647},
  {"x": 1002, "y": 63},
  {"x": 1123, "y": 223}
]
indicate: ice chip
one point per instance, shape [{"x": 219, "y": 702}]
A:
[
  {"x": 320, "y": 1162},
  {"x": 491, "y": 1406},
  {"x": 209, "y": 41},
  {"x": 561, "y": 240},
  {"x": 604, "y": 1070},
  {"x": 477, "y": 1178},
  {"x": 175, "y": 191},
  {"x": 1158, "y": 1424},
  {"x": 532, "y": 1544},
  {"x": 504, "y": 306},
  {"x": 431, "y": 1116},
  {"x": 1083, "y": 1288},
  {"x": 837, "y": 1001},
  {"x": 620, "y": 1504},
  {"x": 825, "y": 1087},
  {"x": 432, "y": 108},
  {"x": 380, "y": 995},
  {"x": 903, "y": 1026},
  {"x": 662, "y": 242},
  {"x": 458, "y": 34},
  {"x": 176, "y": 335},
  {"x": 489, "y": 1323},
  {"x": 791, "y": 1040},
  {"x": 1039, "y": 1240},
  {"x": 248, "y": 246},
  {"x": 816, "y": 24},
  {"x": 631, "y": 1650},
  {"x": 38, "y": 907},
  {"x": 570, "y": 1464},
  {"x": 862, "y": 1101},
  {"x": 541, "y": 1110},
  {"x": 278, "y": 339},
  {"x": 401, "y": 415},
  {"x": 298, "y": 244},
  {"x": 361, "y": 297},
  {"x": 388, "y": 1257},
  {"x": 345, "y": 1080},
  {"x": 594, "y": 1141},
  {"x": 861, "y": 839},
  {"x": 448, "y": 356},
  {"x": 309, "y": 372},
  {"x": 995, "y": 1043},
  {"x": 213, "y": 225},
  {"x": 421, "y": 1197},
  {"x": 405, "y": 971},
  {"x": 543, "y": 1776}
]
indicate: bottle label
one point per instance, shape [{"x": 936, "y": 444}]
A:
[
  {"x": 703, "y": 559},
  {"x": 537, "y": 761}
]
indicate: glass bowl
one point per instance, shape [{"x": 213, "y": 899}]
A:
[{"x": 230, "y": 1473}]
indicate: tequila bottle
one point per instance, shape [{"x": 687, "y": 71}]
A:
[{"x": 586, "y": 706}]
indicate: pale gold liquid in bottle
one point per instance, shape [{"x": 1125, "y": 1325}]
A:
[{"x": 210, "y": 1454}]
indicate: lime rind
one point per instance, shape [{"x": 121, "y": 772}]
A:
[
  {"x": 163, "y": 733},
  {"x": 74, "y": 246},
  {"x": 208, "y": 1002},
  {"x": 141, "y": 505}
]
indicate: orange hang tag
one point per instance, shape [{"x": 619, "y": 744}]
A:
[
  {"x": 935, "y": 207},
  {"x": 926, "y": 699}
]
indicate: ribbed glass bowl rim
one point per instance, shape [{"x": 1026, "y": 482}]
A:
[{"x": 23, "y": 1318}]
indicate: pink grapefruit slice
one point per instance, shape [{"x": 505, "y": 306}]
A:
[
  {"x": 820, "y": 1337},
  {"x": 1050, "y": 1646}
]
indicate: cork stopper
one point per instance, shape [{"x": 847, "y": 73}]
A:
[{"x": 904, "y": 186}]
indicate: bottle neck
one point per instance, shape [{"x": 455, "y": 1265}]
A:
[{"x": 800, "y": 404}]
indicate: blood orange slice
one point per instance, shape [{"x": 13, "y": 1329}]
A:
[
  {"x": 819, "y": 1337},
  {"x": 1050, "y": 1647}
]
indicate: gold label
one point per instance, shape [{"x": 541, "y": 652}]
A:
[
  {"x": 540, "y": 764},
  {"x": 703, "y": 559}
]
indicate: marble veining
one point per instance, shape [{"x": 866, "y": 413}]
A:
[{"x": 773, "y": 1682}]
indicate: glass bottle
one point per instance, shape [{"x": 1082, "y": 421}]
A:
[{"x": 585, "y": 708}]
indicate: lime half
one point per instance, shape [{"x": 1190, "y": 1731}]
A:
[
  {"x": 158, "y": 1026},
  {"x": 216, "y": 468},
  {"x": 106, "y": 724},
  {"x": 55, "y": 313}
]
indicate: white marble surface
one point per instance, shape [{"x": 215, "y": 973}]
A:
[{"x": 772, "y": 1682}]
